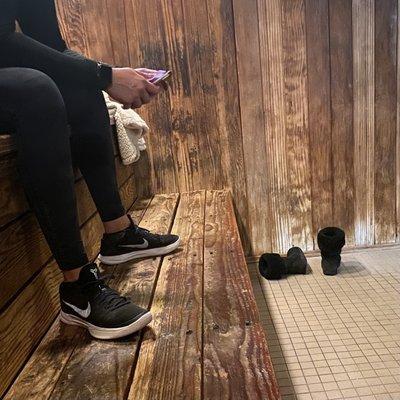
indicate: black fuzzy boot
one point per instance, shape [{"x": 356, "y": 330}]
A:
[
  {"x": 296, "y": 262},
  {"x": 330, "y": 242},
  {"x": 273, "y": 266}
]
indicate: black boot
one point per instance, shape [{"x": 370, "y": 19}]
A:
[
  {"x": 296, "y": 262},
  {"x": 273, "y": 266},
  {"x": 330, "y": 242}
]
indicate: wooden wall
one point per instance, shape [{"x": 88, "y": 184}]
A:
[{"x": 291, "y": 103}]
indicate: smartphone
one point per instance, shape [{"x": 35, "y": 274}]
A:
[{"x": 161, "y": 75}]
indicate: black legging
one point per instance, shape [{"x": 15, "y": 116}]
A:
[{"x": 49, "y": 122}]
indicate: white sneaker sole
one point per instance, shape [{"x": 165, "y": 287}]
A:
[
  {"x": 107, "y": 333},
  {"x": 159, "y": 251}
]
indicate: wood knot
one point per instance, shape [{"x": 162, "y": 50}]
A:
[
  {"x": 248, "y": 323},
  {"x": 215, "y": 326}
]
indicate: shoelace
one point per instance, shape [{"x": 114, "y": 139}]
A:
[
  {"x": 111, "y": 298},
  {"x": 145, "y": 232}
]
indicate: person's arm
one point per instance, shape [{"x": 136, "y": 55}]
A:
[{"x": 38, "y": 19}]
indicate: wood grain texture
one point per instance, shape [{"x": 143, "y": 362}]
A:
[
  {"x": 27, "y": 319},
  {"x": 385, "y": 120},
  {"x": 252, "y": 124},
  {"x": 72, "y": 25},
  {"x": 363, "y": 14},
  {"x": 271, "y": 99},
  {"x": 224, "y": 70},
  {"x": 13, "y": 202},
  {"x": 113, "y": 360},
  {"x": 398, "y": 128},
  {"x": 7, "y": 145},
  {"x": 170, "y": 353},
  {"x": 97, "y": 34},
  {"x": 319, "y": 113},
  {"x": 236, "y": 358},
  {"x": 43, "y": 370},
  {"x": 117, "y": 31},
  {"x": 272, "y": 80},
  {"x": 296, "y": 122},
  {"x": 342, "y": 115}
]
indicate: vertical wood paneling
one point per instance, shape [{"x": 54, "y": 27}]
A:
[
  {"x": 290, "y": 103},
  {"x": 342, "y": 115},
  {"x": 209, "y": 169},
  {"x": 71, "y": 24},
  {"x": 363, "y": 83},
  {"x": 146, "y": 44},
  {"x": 385, "y": 120},
  {"x": 224, "y": 71},
  {"x": 296, "y": 122},
  {"x": 252, "y": 123},
  {"x": 117, "y": 29},
  {"x": 97, "y": 30},
  {"x": 398, "y": 128},
  {"x": 319, "y": 112},
  {"x": 270, "y": 27}
]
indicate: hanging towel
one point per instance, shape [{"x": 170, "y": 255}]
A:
[{"x": 130, "y": 130}]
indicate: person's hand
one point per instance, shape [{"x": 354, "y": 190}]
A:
[{"x": 131, "y": 88}]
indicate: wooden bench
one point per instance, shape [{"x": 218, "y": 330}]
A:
[{"x": 205, "y": 342}]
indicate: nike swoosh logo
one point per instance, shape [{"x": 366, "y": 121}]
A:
[
  {"x": 83, "y": 313},
  {"x": 143, "y": 245}
]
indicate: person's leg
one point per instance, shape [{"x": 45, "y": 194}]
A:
[
  {"x": 36, "y": 115},
  {"x": 93, "y": 150},
  {"x": 38, "y": 119}
]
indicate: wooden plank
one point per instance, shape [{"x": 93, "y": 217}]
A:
[
  {"x": 272, "y": 78},
  {"x": 54, "y": 350},
  {"x": 296, "y": 124},
  {"x": 319, "y": 113},
  {"x": 170, "y": 354},
  {"x": 146, "y": 40},
  {"x": 114, "y": 361},
  {"x": 97, "y": 34},
  {"x": 71, "y": 24},
  {"x": 363, "y": 12},
  {"x": 252, "y": 123},
  {"x": 225, "y": 76},
  {"x": 385, "y": 121},
  {"x": 342, "y": 115},
  {"x": 236, "y": 358},
  {"x": 398, "y": 128},
  {"x": 117, "y": 29},
  {"x": 23, "y": 323},
  {"x": 209, "y": 171},
  {"x": 7, "y": 145},
  {"x": 184, "y": 141},
  {"x": 12, "y": 197}
]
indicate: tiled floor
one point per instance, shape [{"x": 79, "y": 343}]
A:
[{"x": 336, "y": 337}]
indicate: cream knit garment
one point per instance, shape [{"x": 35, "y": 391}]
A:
[{"x": 130, "y": 131}]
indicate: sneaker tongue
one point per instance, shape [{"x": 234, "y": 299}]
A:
[{"x": 89, "y": 273}]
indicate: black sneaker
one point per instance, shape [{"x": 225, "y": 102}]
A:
[
  {"x": 135, "y": 242},
  {"x": 90, "y": 303}
]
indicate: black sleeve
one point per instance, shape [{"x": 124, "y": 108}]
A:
[{"x": 43, "y": 48}]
